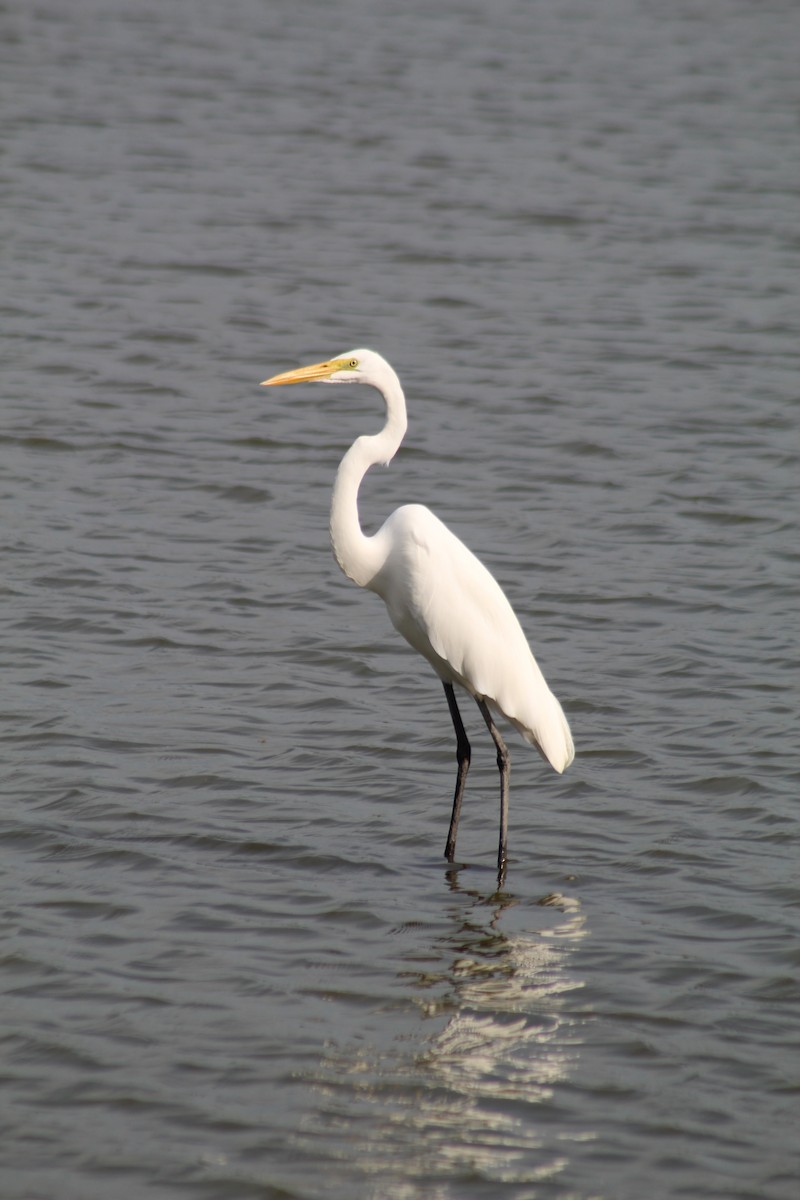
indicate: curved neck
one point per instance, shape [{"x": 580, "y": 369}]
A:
[{"x": 360, "y": 556}]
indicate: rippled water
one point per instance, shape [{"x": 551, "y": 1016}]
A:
[{"x": 234, "y": 962}]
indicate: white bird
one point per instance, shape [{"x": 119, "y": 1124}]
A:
[{"x": 439, "y": 596}]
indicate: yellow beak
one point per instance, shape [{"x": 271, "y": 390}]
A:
[{"x": 316, "y": 371}]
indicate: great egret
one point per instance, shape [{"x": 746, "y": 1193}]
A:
[{"x": 440, "y": 597}]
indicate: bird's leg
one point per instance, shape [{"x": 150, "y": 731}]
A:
[
  {"x": 463, "y": 756},
  {"x": 504, "y": 767}
]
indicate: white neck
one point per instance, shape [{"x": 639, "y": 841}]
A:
[{"x": 360, "y": 556}]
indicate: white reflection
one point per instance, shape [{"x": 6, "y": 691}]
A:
[
  {"x": 463, "y": 1105},
  {"x": 507, "y": 1045}
]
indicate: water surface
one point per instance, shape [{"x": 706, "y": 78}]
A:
[{"x": 235, "y": 963}]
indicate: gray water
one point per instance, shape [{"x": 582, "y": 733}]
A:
[{"x": 235, "y": 964}]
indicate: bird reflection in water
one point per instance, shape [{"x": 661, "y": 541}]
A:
[{"x": 464, "y": 1104}]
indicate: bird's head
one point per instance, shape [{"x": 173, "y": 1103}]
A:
[{"x": 355, "y": 366}]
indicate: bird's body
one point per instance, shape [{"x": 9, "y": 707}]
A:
[
  {"x": 439, "y": 596},
  {"x": 444, "y": 601}
]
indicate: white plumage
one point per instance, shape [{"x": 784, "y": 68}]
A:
[
  {"x": 453, "y": 611},
  {"x": 439, "y": 596}
]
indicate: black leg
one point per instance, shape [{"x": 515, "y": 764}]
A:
[
  {"x": 504, "y": 767},
  {"x": 462, "y": 755}
]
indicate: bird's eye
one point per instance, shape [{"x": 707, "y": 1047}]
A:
[{"x": 353, "y": 364}]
